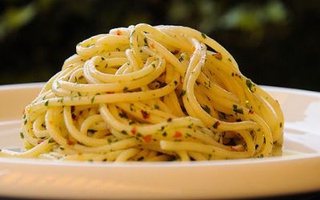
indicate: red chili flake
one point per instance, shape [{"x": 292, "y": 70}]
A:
[
  {"x": 218, "y": 56},
  {"x": 145, "y": 114},
  {"x": 74, "y": 117},
  {"x": 152, "y": 45},
  {"x": 119, "y": 32},
  {"x": 40, "y": 141},
  {"x": 133, "y": 131},
  {"x": 69, "y": 142},
  {"x": 251, "y": 112},
  {"x": 147, "y": 138},
  {"x": 177, "y": 134},
  {"x": 216, "y": 124}
]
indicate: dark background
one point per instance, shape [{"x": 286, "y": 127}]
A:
[{"x": 274, "y": 42}]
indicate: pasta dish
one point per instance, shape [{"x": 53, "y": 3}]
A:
[{"x": 150, "y": 93}]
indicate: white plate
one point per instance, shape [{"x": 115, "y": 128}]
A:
[{"x": 297, "y": 171}]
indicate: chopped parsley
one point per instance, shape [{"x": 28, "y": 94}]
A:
[
  {"x": 237, "y": 110},
  {"x": 203, "y": 35}
]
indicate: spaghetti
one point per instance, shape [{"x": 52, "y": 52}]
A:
[{"x": 150, "y": 93}]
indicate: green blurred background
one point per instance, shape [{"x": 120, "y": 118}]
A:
[{"x": 274, "y": 42}]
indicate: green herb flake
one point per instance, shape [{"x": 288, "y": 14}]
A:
[
  {"x": 132, "y": 107},
  {"x": 51, "y": 140},
  {"x": 92, "y": 99},
  {"x": 145, "y": 41},
  {"x": 123, "y": 115},
  {"x": 207, "y": 109},
  {"x": 164, "y": 134},
  {"x": 46, "y": 103},
  {"x": 61, "y": 100},
  {"x": 21, "y": 135},
  {"x": 181, "y": 58},
  {"x": 91, "y": 131},
  {"x": 203, "y": 35},
  {"x": 183, "y": 92},
  {"x": 125, "y": 89},
  {"x": 250, "y": 85},
  {"x": 43, "y": 125},
  {"x": 237, "y": 110},
  {"x": 124, "y": 132}
]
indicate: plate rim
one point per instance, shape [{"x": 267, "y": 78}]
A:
[{"x": 257, "y": 164}]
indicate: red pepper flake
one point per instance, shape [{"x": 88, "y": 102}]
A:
[
  {"x": 216, "y": 124},
  {"x": 69, "y": 142},
  {"x": 147, "y": 138},
  {"x": 145, "y": 114},
  {"x": 177, "y": 134},
  {"x": 74, "y": 117},
  {"x": 251, "y": 112},
  {"x": 218, "y": 56},
  {"x": 133, "y": 131},
  {"x": 152, "y": 45},
  {"x": 119, "y": 32},
  {"x": 40, "y": 141}
]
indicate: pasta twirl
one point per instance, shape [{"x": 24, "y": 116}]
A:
[{"x": 150, "y": 93}]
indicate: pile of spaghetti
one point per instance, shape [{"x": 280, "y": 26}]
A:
[{"x": 151, "y": 93}]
